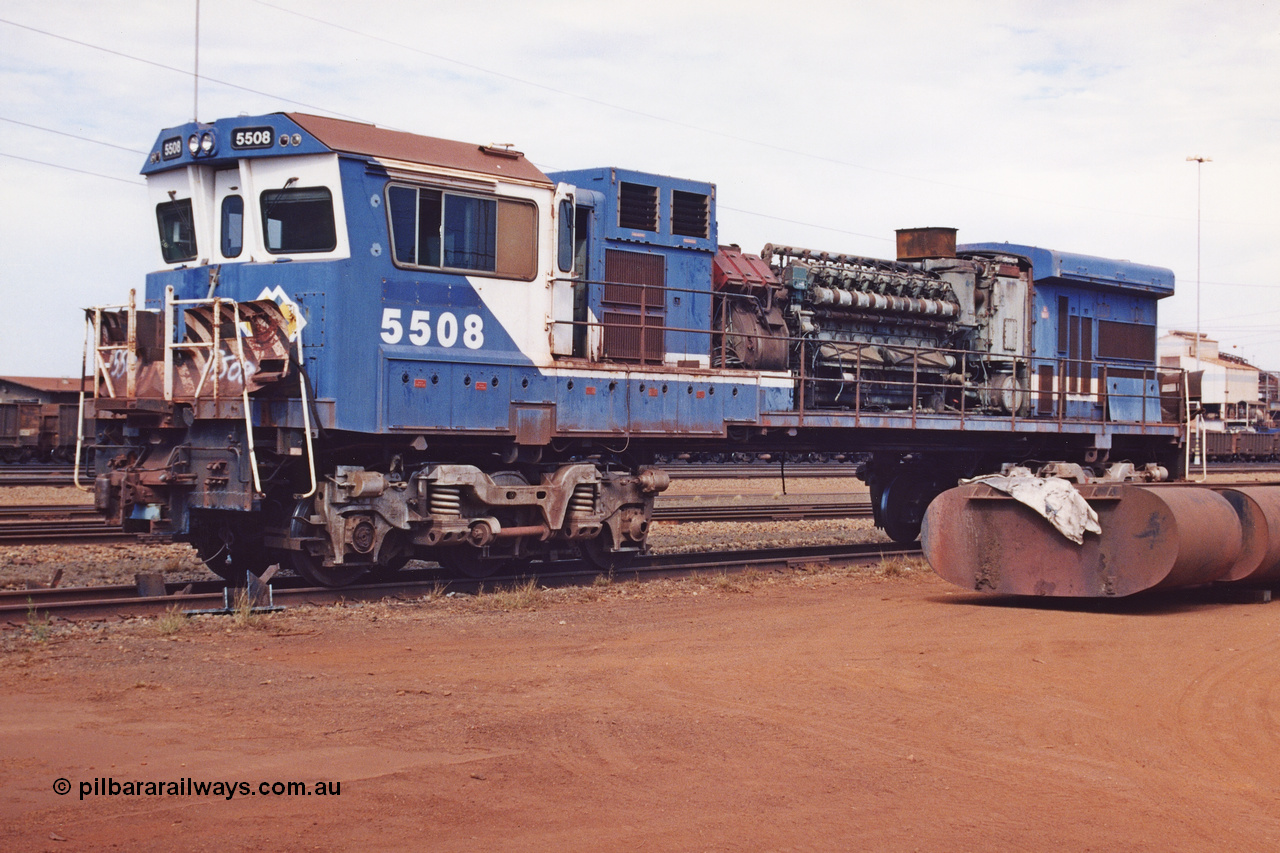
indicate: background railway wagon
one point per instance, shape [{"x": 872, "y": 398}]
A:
[
  {"x": 40, "y": 432},
  {"x": 1242, "y": 446},
  {"x": 38, "y": 418}
]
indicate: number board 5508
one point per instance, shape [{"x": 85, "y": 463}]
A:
[
  {"x": 252, "y": 137},
  {"x": 445, "y": 328}
]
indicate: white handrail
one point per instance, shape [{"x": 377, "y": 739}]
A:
[
  {"x": 306, "y": 419},
  {"x": 84, "y": 364},
  {"x": 244, "y": 392}
]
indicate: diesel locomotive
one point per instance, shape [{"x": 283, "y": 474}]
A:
[{"x": 363, "y": 346}]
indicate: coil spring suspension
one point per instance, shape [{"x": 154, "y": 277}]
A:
[
  {"x": 583, "y": 499},
  {"x": 446, "y": 500}
]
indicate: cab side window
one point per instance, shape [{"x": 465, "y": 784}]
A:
[
  {"x": 298, "y": 220},
  {"x": 435, "y": 229},
  {"x": 232, "y": 226},
  {"x": 177, "y": 231}
]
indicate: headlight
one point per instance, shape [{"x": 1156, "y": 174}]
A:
[
  {"x": 207, "y": 143},
  {"x": 193, "y": 144}
]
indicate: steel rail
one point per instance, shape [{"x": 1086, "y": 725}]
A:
[
  {"x": 20, "y": 607},
  {"x": 79, "y": 524},
  {"x": 36, "y": 475}
]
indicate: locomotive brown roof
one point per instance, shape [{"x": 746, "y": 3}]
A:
[{"x": 372, "y": 141}]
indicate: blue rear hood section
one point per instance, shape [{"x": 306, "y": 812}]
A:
[{"x": 1050, "y": 265}]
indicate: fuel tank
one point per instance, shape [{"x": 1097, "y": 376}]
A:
[{"x": 1153, "y": 537}]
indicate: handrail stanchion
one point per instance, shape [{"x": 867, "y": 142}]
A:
[
  {"x": 244, "y": 396},
  {"x": 84, "y": 364},
  {"x": 306, "y": 419},
  {"x": 168, "y": 344}
]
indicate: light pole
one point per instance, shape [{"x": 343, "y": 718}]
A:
[
  {"x": 1199, "y": 429},
  {"x": 195, "y": 77},
  {"x": 1199, "y": 161}
]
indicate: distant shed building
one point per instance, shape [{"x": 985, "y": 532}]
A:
[
  {"x": 39, "y": 389},
  {"x": 1230, "y": 388}
]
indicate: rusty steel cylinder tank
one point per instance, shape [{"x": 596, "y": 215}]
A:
[
  {"x": 1258, "y": 508},
  {"x": 1152, "y": 537}
]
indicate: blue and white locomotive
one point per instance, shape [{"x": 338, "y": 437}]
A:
[{"x": 364, "y": 346}]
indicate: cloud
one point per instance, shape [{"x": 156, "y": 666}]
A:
[{"x": 1064, "y": 125}]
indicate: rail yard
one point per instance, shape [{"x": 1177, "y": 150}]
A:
[
  {"x": 452, "y": 428},
  {"x": 870, "y": 710},
  {"x": 455, "y": 542}
]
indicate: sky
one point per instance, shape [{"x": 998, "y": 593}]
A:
[{"x": 1065, "y": 125}]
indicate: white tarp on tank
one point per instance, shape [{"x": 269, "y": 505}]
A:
[{"x": 1054, "y": 498}]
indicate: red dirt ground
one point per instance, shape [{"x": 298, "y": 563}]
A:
[{"x": 824, "y": 712}]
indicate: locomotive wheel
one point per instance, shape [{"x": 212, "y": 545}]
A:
[
  {"x": 468, "y": 561},
  {"x": 901, "y": 506},
  {"x": 229, "y": 552},
  {"x": 599, "y": 552},
  {"x": 472, "y": 562},
  {"x": 397, "y": 555},
  {"x": 310, "y": 567}
]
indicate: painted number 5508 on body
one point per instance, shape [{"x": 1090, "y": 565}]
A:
[{"x": 446, "y": 328}]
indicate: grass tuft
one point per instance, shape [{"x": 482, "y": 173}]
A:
[
  {"x": 171, "y": 621},
  {"x": 522, "y": 596},
  {"x": 38, "y": 626},
  {"x": 435, "y": 593},
  {"x": 242, "y": 610},
  {"x": 896, "y": 567}
]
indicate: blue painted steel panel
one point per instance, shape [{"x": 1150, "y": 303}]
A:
[
  {"x": 652, "y": 406},
  {"x": 481, "y": 395},
  {"x": 741, "y": 403},
  {"x": 1085, "y": 269},
  {"x": 777, "y": 399},
  {"x": 700, "y": 407},
  {"x": 415, "y": 396},
  {"x": 592, "y": 403},
  {"x": 605, "y": 181},
  {"x": 1132, "y": 399},
  {"x": 687, "y": 259}
]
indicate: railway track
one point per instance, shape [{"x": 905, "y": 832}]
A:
[
  {"x": 61, "y": 475},
  {"x": 64, "y": 525},
  {"x": 34, "y": 525},
  {"x": 73, "y": 603},
  {"x": 40, "y": 475}
]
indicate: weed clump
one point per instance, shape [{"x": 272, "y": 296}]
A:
[
  {"x": 171, "y": 621},
  {"x": 896, "y": 567},
  {"x": 526, "y": 595},
  {"x": 39, "y": 626}
]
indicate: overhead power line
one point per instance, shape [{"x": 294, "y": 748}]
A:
[
  {"x": 70, "y": 169},
  {"x": 184, "y": 71},
  {"x": 782, "y": 149},
  {"x": 73, "y": 135}
]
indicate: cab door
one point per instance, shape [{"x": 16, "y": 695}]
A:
[
  {"x": 228, "y": 216},
  {"x": 562, "y": 272}
]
